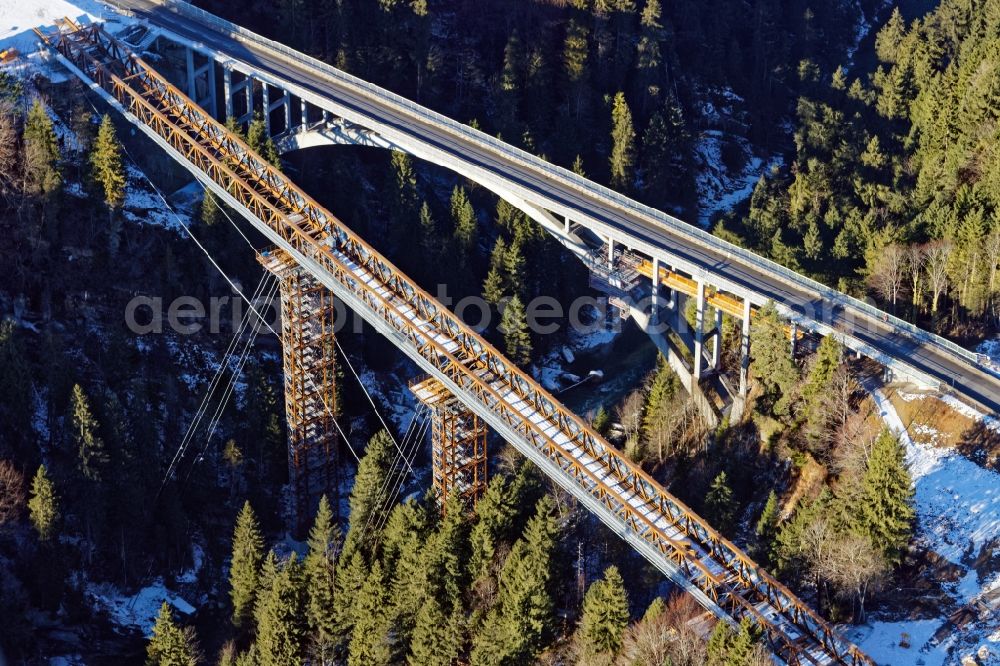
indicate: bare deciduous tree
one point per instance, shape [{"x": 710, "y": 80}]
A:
[
  {"x": 629, "y": 413},
  {"x": 887, "y": 274},
  {"x": 11, "y": 493},
  {"x": 915, "y": 261},
  {"x": 855, "y": 567},
  {"x": 667, "y": 638},
  {"x": 936, "y": 256},
  {"x": 9, "y": 148}
]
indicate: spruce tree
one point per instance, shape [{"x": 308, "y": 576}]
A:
[
  {"x": 365, "y": 500},
  {"x": 170, "y": 645},
  {"x": 517, "y": 629},
  {"x": 370, "y": 639},
  {"x": 261, "y": 142},
  {"x": 493, "y": 287},
  {"x": 106, "y": 163},
  {"x": 884, "y": 505},
  {"x": 605, "y": 615},
  {"x": 351, "y": 576},
  {"x": 210, "y": 212},
  {"x": 622, "y": 160},
  {"x": 319, "y": 570},
  {"x": 720, "y": 507},
  {"x": 244, "y": 568},
  {"x": 767, "y": 527},
  {"x": 466, "y": 231},
  {"x": 279, "y": 611},
  {"x": 42, "y": 172},
  {"x": 516, "y": 337},
  {"x": 92, "y": 455},
  {"x": 772, "y": 358},
  {"x": 437, "y": 636},
  {"x": 43, "y": 505}
]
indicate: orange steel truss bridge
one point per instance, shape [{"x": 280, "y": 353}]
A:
[{"x": 681, "y": 544}]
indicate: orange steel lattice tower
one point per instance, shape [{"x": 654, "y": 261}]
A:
[
  {"x": 458, "y": 444},
  {"x": 307, "y": 329}
]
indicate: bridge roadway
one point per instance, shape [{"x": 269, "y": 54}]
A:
[
  {"x": 634, "y": 225},
  {"x": 586, "y": 203}
]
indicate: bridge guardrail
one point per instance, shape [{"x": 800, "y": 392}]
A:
[{"x": 580, "y": 184}]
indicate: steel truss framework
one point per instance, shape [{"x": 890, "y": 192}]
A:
[
  {"x": 458, "y": 444},
  {"x": 666, "y": 531},
  {"x": 309, "y": 362}
]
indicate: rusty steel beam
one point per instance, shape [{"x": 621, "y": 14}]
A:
[
  {"x": 458, "y": 444},
  {"x": 709, "y": 564},
  {"x": 310, "y": 381}
]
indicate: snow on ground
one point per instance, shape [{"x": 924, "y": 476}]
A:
[
  {"x": 144, "y": 205},
  {"x": 719, "y": 189},
  {"x": 957, "y": 501},
  {"x": 18, "y": 17},
  {"x": 958, "y": 512},
  {"x": 137, "y": 610},
  {"x": 391, "y": 393}
]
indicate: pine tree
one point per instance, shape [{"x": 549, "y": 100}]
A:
[
  {"x": 767, "y": 527},
  {"x": 107, "y": 166},
  {"x": 351, "y": 576},
  {"x": 466, "y": 228},
  {"x": 884, "y": 506},
  {"x": 210, "y": 212},
  {"x": 720, "y": 506},
  {"x": 649, "y": 63},
  {"x": 493, "y": 287},
  {"x": 518, "y": 627},
  {"x": 92, "y": 455},
  {"x": 319, "y": 570},
  {"x": 773, "y": 364},
  {"x": 370, "y": 644},
  {"x": 605, "y": 615},
  {"x": 437, "y": 636},
  {"x": 244, "y": 568},
  {"x": 516, "y": 337},
  {"x": 365, "y": 500},
  {"x": 601, "y": 421},
  {"x": 622, "y": 158},
  {"x": 43, "y": 506},
  {"x": 261, "y": 142},
  {"x": 279, "y": 613},
  {"x": 430, "y": 244},
  {"x": 42, "y": 173},
  {"x": 171, "y": 645}
]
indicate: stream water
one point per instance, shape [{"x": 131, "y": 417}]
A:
[{"x": 624, "y": 362}]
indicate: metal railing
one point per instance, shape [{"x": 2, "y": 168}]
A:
[
  {"x": 621, "y": 493},
  {"x": 578, "y": 183}
]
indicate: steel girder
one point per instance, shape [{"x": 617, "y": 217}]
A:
[{"x": 711, "y": 566}]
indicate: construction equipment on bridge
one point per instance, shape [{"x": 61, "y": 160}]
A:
[
  {"x": 309, "y": 361},
  {"x": 658, "y": 525},
  {"x": 8, "y": 55},
  {"x": 458, "y": 444}
]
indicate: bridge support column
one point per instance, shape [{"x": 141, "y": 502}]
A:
[
  {"x": 227, "y": 89},
  {"x": 654, "y": 298},
  {"x": 266, "y": 97},
  {"x": 745, "y": 349},
  {"x": 717, "y": 343},
  {"x": 794, "y": 335},
  {"x": 458, "y": 444},
  {"x": 305, "y": 114},
  {"x": 699, "y": 331},
  {"x": 192, "y": 91},
  {"x": 248, "y": 84},
  {"x": 611, "y": 253},
  {"x": 288, "y": 111},
  {"x": 307, "y": 330}
]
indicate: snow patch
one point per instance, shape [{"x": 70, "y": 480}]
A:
[
  {"x": 143, "y": 205},
  {"x": 138, "y": 610},
  {"x": 957, "y": 501},
  {"x": 17, "y": 19},
  {"x": 719, "y": 190}
]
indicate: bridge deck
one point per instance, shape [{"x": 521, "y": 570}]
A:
[{"x": 664, "y": 530}]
